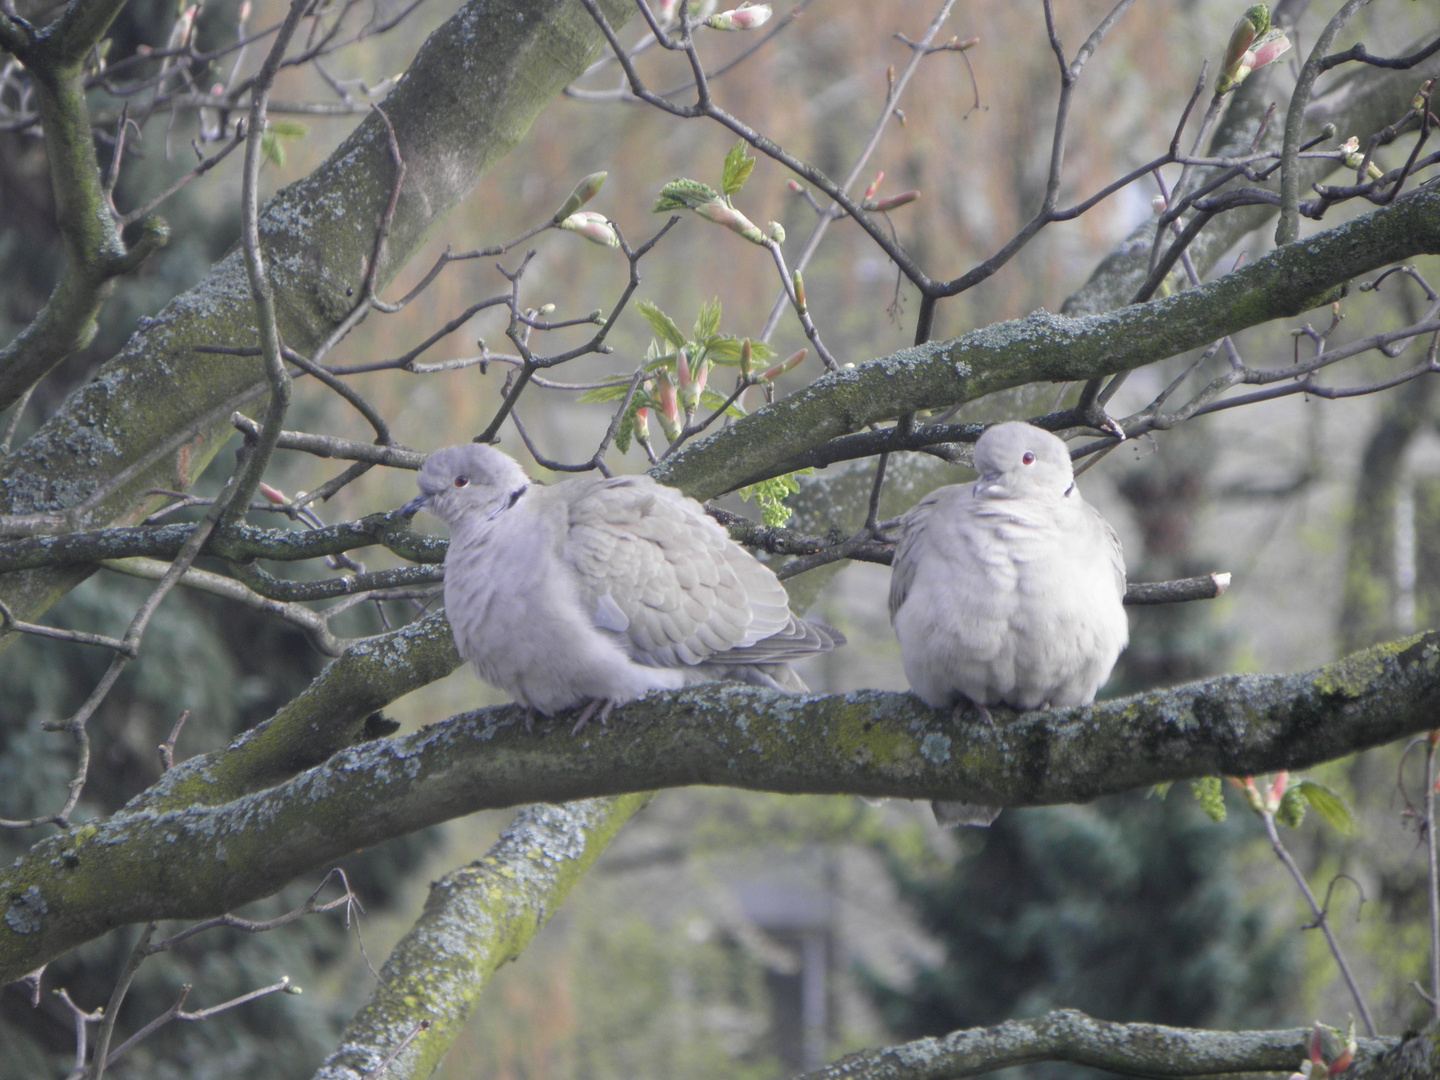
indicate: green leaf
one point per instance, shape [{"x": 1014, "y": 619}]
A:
[
  {"x": 271, "y": 149},
  {"x": 662, "y": 324},
  {"x": 707, "y": 323},
  {"x": 769, "y": 495},
  {"x": 724, "y": 349},
  {"x": 683, "y": 194},
  {"x": 1291, "y": 811},
  {"x": 1327, "y": 804},
  {"x": 613, "y": 392},
  {"x": 289, "y": 129},
  {"x": 626, "y": 430},
  {"x": 738, "y": 166},
  {"x": 1210, "y": 794},
  {"x": 712, "y": 401}
]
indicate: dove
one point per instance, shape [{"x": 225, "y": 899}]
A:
[
  {"x": 595, "y": 591},
  {"x": 1008, "y": 591}
]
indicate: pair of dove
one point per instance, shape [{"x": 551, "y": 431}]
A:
[{"x": 595, "y": 591}]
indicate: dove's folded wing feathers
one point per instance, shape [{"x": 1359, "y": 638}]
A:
[{"x": 686, "y": 593}]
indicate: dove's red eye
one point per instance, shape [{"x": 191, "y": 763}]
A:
[
  {"x": 1028, "y": 458},
  {"x": 462, "y": 481}
]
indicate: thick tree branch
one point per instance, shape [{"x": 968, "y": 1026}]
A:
[
  {"x": 158, "y": 412},
  {"x": 1128, "y": 1049},
  {"x": 1054, "y": 348},
  {"x": 171, "y": 856},
  {"x": 477, "y": 919}
]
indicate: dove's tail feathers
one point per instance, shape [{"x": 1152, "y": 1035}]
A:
[
  {"x": 950, "y": 815},
  {"x": 799, "y": 638}
]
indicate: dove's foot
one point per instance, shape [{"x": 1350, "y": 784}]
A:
[
  {"x": 965, "y": 703},
  {"x": 530, "y": 715},
  {"x": 604, "y": 706}
]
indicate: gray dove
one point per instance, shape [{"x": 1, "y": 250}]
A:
[
  {"x": 1008, "y": 591},
  {"x": 595, "y": 591}
]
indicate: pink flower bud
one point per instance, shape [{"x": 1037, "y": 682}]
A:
[
  {"x": 275, "y": 495},
  {"x": 795, "y": 186},
  {"x": 593, "y": 226},
  {"x": 682, "y": 369},
  {"x": 1273, "y": 46},
  {"x": 1277, "y": 790},
  {"x": 745, "y": 17},
  {"x": 892, "y": 202},
  {"x": 669, "y": 415},
  {"x": 720, "y": 212},
  {"x": 788, "y": 364},
  {"x": 874, "y": 184}
]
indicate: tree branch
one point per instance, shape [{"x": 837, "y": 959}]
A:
[
  {"x": 477, "y": 919},
  {"x": 1053, "y": 348},
  {"x": 1128, "y": 1049},
  {"x": 171, "y": 857}
]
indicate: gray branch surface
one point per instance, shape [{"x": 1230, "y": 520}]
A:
[
  {"x": 1054, "y": 348},
  {"x": 175, "y": 859},
  {"x": 1127, "y": 1049}
]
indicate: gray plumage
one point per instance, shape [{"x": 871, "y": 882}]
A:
[
  {"x": 595, "y": 591},
  {"x": 1008, "y": 591}
]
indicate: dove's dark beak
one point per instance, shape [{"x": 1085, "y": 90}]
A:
[{"x": 415, "y": 505}]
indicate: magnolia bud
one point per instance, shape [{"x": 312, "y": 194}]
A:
[
  {"x": 584, "y": 191},
  {"x": 594, "y": 227},
  {"x": 745, "y": 17}
]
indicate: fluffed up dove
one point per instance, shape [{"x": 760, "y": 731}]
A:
[
  {"x": 595, "y": 591},
  {"x": 1008, "y": 591}
]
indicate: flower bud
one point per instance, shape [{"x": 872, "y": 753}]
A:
[
  {"x": 722, "y": 213},
  {"x": 593, "y": 226},
  {"x": 1253, "y": 43},
  {"x": 275, "y": 495},
  {"x": 584, "y": 191},
  {"x": 745, "y": 17},
  {"x": 788, "y": 364},
  {"x": 776, "y": 232},
  {"x": 669, "y": 415},
  {"x": 893, "y": 202},
  {"x": 874, "y": 185}
]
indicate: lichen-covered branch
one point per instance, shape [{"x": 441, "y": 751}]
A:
[
  {"x": 158, "y": 412},
  {"x": 476, "y": 919},
  {"x": 1053, "y": 348},
  {"x": 169, "y": 855},
  {"x": 1076, "y": 1039}
]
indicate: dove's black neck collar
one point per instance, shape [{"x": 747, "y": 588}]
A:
[
  {"x": 511, "y": 501},
  {"x": 1069, "y": 491}
]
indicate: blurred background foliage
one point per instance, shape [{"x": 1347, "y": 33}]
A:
[{"x": 695, "y": 947}]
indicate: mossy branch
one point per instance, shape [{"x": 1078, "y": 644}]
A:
[
  {"x": 1127, "y": 1049},
  {"x": 1053, "y": 348},
  {"x": 477, "y": 918},
  {"x": 171, "y": 856}
]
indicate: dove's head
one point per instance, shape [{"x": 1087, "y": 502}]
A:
[
  {"x": 1017, "y": 461},
  {"x": 469, "y": 479}
]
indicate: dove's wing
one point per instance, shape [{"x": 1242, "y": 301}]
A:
[
  {"x": 655, "y": 569},
  {"x": 907, "y": 551}
]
